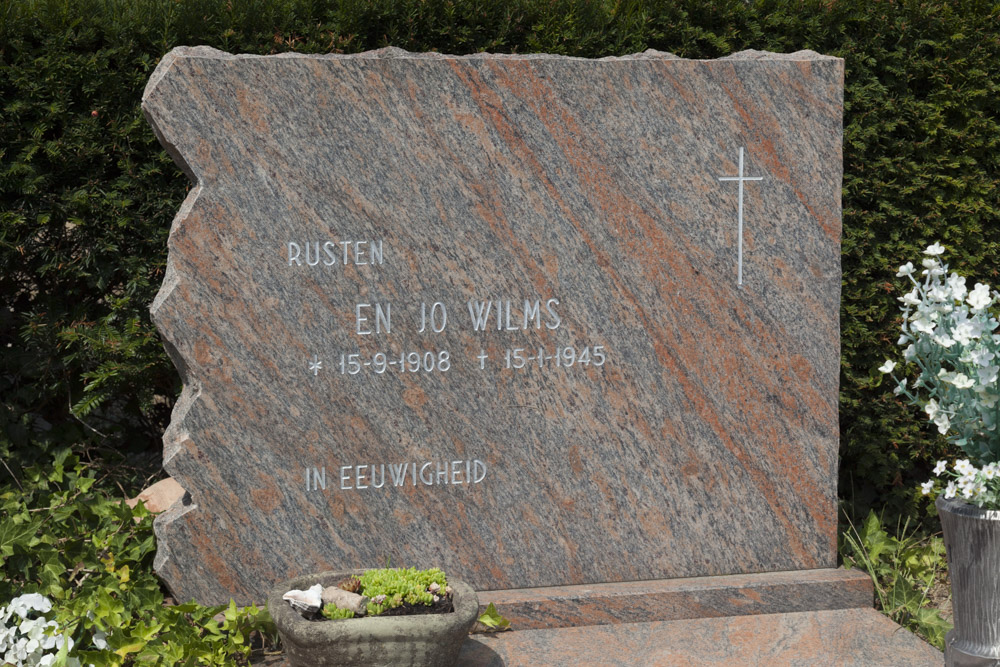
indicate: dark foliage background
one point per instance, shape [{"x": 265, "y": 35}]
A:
[{"x": 87, "y": 194}]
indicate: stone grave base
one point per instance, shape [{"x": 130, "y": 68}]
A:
[
  {"x": 781, "y": 618},
  {"x": 830, "y": 637}
]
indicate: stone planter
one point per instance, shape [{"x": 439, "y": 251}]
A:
[
  {"x": 972, "y": 540},
  {"x": 427, "y": 639}
]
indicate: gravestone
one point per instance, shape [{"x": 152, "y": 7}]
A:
[{"x": 536, "y": 320}]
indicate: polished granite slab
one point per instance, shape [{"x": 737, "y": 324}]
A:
[
  {"x": 539, "y": 321},
  {"x": 842, "y": 637},
  {"x": 832, "y": 638}
]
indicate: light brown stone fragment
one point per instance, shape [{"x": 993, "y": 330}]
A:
[
  {"x": 345, "y": 600},
  {"x": 160, "y": 496}
]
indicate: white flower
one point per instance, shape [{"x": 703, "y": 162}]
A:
[
  {"x": 900, "y": 388},
  {"x": 944, "y": 341},
  {"x": 979, "y": 297},
  {"x": 927, "y": 487},
  {"x": 887, "y": 366},
  {"x": 903, "y": 340},
  {"x": 956, "y": 284},
  {"x": 961, "y": 381},
  {"x": 988, "y": 375},
  {"x": 949, "y": 492},
  {"x": 965, "y": 332},
  {"x": 939, "y": 293},
  {"x": 35, "y": 601},
  {"x": 30, "y": 640},
  {"x": 24, "y": 604},
  {"x": 963, "y": 482},
  {"x": 943, "y": 423},
  {"x": 935, "y": 249},
  {"x": 911, "y": 298},
  {"x": 981, "y": 356},
  {"x": 905, "y": 270},
  {"x": 100, "y": 640},
  {"x": 931, "y": 409},
  {"x": 963, "y": 467},
  {"x": 940, "y": 468},
  {"x": 987, "y": 399},
  {"x": 910, "y": 352},
  {"x": 923, "y": 325},
  {"x": 990, "y": 470},
  {"x": 930, "y": 264}
]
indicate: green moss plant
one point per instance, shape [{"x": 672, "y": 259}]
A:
[
  {"x": 388, "y": 588},
  {"x": 335, "y": 613}
]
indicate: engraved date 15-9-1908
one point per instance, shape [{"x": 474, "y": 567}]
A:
[{"x": 441, "y": 361}]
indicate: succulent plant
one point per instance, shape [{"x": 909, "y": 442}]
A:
[
  {"x": 394, "y": 586},
  {"x": 351, "y": 584}
]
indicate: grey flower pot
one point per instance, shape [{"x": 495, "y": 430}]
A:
[
  {"x": 972, "y": 541},
  {"x": 427, "y": 639}
]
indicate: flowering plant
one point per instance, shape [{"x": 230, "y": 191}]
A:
[
  {"x": 26, "y": 637},
  {"x": 950, "y": 339}
]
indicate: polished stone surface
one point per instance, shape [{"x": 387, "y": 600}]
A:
[
  {"x": 675, "y": 599},
  {"x": 861, "y": 637},
  {"x": 334, "y": 195},
  {"x": 842, "y": 637}
]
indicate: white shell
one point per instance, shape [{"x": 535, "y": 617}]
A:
[{"x": 307, "y": 601}]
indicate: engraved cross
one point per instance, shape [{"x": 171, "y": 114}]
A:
[{"x": 739, "y": 252}]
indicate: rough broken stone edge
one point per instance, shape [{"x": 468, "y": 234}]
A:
[
  {"x": 176, "y": 433},
  {"x": 396, "y": 53}
]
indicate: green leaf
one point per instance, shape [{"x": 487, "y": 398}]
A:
[
  {"x": 491, "y": 618},
  {"x": 133, "y": 647}
]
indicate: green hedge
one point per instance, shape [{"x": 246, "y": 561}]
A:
[{"x": 88, "y": 195}]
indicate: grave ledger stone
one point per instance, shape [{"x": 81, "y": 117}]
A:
[{"x": 536, "y": 320}]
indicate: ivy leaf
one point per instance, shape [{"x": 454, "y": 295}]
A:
[
  {"x": 134, "y": 647},
  {"x": 493, "y": 620}
]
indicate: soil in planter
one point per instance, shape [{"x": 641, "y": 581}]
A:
[{"x": 442, "y": 606}]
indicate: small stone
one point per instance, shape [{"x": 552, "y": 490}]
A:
[
  {"x": 345, "y": 600},
  {"x": 160, "y": 496},
  {"x": 434, "y": 587},
  {"x": 448, "y": 590},
  {"x": 305, "y": 602},
  {"x": 379, "y": 599}
]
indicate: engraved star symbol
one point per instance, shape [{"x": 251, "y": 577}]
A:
[{"x": 315, "y": 365}]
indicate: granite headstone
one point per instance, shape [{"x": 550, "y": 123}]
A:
[{"x": 535, "y": 320}]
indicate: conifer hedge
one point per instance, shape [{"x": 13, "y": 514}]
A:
[{"x": 87, "y": 194}]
